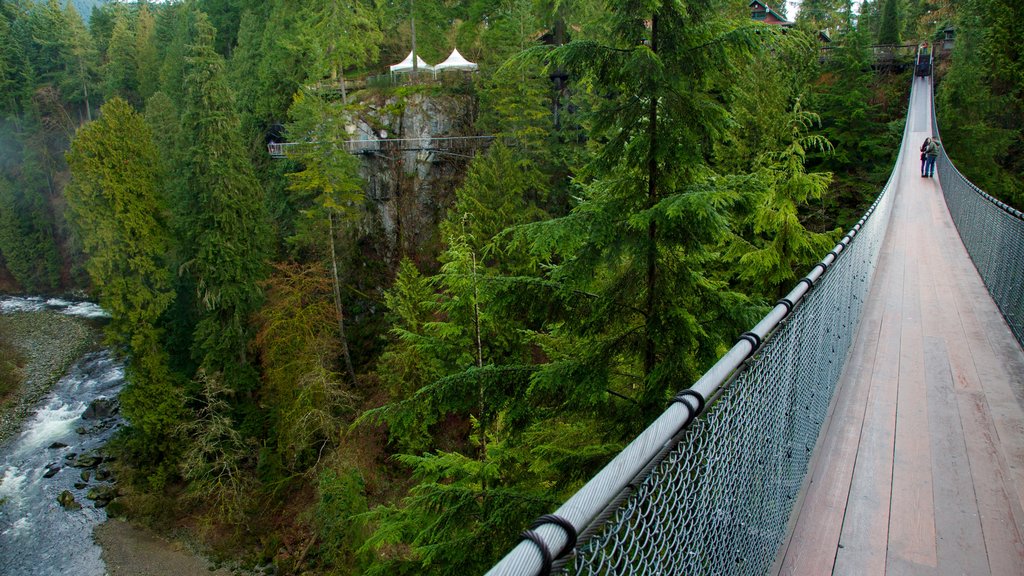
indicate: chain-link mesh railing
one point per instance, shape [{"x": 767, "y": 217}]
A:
[
  {"x": 713, "y": 495},
  {"x": 993, "y": 234}
]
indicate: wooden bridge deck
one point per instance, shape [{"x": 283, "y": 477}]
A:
[{"x": 921, "y": 467}]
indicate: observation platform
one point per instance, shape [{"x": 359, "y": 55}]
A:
[{"x": 920, "y": 469}]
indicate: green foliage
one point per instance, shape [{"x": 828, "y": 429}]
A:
[
  {"x": 779, "y": 248},
  {"x": 298, "y": 348},
  {"x": 120, "y": 213},
  {"x": 862, "y": 120},
  {"x": 890, "y": 27},
  {"x": 340, "y": 519},
  {"x": 11, "y": 362},
  {"x": 980, "y": 102},
  {"x": 146, "y": 53},
  {"x": 638, "y": 245},
  {"x": 226, "y": 223},
  {"x": 462, "y": 515}
]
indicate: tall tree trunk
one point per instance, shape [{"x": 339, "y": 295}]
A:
[
  {"x": 652, "y": 199},
  {"x": 338, "y": 308},
  {"x": 479, "y": 364},
  {"x": 85, "y": 91}
]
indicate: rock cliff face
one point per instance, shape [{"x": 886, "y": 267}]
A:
[{"x": 411, "y": 181}]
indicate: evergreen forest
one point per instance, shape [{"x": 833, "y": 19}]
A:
[{"x": 392, "y": 362}]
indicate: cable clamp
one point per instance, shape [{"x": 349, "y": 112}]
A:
[
  {"x": 755, "y": 342},
  {"x": 679, "y": 398},
  {"x": 787, "y": 303},
  {"x": 570, "y": 531},
  {"x": 542, "y": 546}
]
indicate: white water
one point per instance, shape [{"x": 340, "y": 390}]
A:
[
  {"x": 38, "y": 537},
  {"x": 35, "y": 304}
]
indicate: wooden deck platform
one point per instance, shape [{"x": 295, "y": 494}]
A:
[{"x": 920, "y": 469}]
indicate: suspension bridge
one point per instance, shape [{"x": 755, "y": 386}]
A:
[
  {"x": 871, "y": 423},
  {"x": 462, "y": 146}
]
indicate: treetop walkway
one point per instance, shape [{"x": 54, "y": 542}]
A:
[{"x": 871, "y": 423}]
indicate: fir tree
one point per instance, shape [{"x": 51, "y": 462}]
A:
[
  {"x": 890, "y": 29},
  {"x": 632, "y": 256},
  {"x": 226, "y": 230},
  {"x": 119, "y": 72}
]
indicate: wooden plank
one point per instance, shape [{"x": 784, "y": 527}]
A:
[
  {"x": 812, "y": 547},
  {"x": 960, "y": 544},
  {"x": 1003, "y": 541},
  {"x": 911, "y": 548},
  {"x": 864, "y": 535}
]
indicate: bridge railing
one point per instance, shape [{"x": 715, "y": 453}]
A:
[
  {"x": 713, "y": 495},
  {"x": 444, "y": 144},
  {"x": 992, "y": 232}
]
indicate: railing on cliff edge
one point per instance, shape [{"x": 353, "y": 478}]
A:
[
  {"x": 457, "y": 145},
  {"x": 992, "y": 232},
  {"x": 713, "y": 495}
]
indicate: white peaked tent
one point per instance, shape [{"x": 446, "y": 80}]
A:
[
  {"x": 406, "y": 65},
  {"x": 455, "y": 61}
]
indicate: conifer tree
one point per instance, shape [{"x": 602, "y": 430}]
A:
[
  {"x": 226, "y": 229},
  {"x": 120, "y": 70},
  {"x": 340, "y": 34},
  {"x": 328, "y": 184},
  {"x": 147, "y": 57},
  {"x": 890, "y": 29},
  {"x": 120, "y": 213},
  {"x": 632, "y": 257},
  {"x": 777, "y": 247},
  {"x": 82, "y": 63}
]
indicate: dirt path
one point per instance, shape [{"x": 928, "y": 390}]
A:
[{"x": 131, "y": 550}]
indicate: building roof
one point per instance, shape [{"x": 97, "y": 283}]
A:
[{"x": 761, "y": 5}]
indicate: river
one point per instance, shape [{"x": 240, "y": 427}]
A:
[{"x": 38, "y": 537}]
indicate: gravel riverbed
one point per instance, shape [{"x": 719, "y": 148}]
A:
[{"x": 49, "y": 342}]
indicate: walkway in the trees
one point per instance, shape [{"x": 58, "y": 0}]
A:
[
  {"x": 921, "y": 467},
  {"x": 451, "y": 145}
]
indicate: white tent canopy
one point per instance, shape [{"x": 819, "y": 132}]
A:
[
  {"x": 406, "y": 65},
  {"x": 455, "y": 61}
]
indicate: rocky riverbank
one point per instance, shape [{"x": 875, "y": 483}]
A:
[{"x": 49, "y": 342}]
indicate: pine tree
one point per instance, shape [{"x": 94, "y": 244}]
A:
[
  {"x": 890, "y": 28},
  {"x": 778, "y": 247},
  {"x": 120, "y": 213},
  {"x": 226, "y": 230},
  {"x": 340, "y": 35},
  {"x": 120, "y": 71},
  {"x": 645, "y": 318},
  {"x": 146, "y": 53},
  {"x": 328, "y": 183}
]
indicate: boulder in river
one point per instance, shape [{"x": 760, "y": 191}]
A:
[
  {"x": 86, "y": 475},
  {"x": 87, "y": 461},
  {"x": 51, "y": 470},
  {"x": 67, "y": 500},
  {"x": 100, "y": 408},
  {"x": 57, "y": 446}
]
